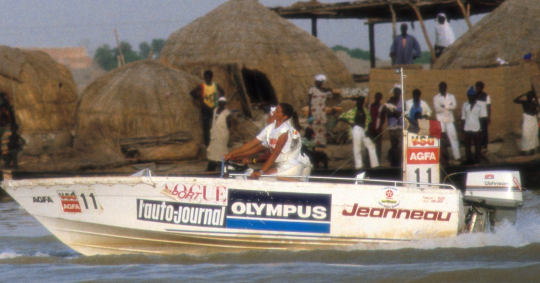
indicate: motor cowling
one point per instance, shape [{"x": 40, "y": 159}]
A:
[{"x": 493, "y": 195}]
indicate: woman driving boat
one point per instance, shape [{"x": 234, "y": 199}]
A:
[{"x": 282, "y": 140}]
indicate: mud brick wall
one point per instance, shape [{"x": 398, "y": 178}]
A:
[{"x": 503, "y": 84}]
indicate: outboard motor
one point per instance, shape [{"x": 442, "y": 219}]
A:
[{"x": 492, "y": 196}]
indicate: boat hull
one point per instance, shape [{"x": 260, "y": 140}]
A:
[{"x": 172, "y": 215}]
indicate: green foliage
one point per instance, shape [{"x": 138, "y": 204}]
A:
[
  {"x": 424, "y": 59},
  {"x": 127, "y": 51},
  {"x": 158, "y": 44},
  {"x": 144, "y": 50},
  {"x": 106, "y": 57},
  {"x": 354, "y": 53}
]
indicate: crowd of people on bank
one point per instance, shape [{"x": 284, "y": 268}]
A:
[{"x": 282, "y": 150}]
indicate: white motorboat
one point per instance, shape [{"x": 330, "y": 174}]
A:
[{"x": 171, "y": 215}]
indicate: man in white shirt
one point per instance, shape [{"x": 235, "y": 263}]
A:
[
  {"x": 444, "y": 104},
  {"x": 417, "y": 103},
  {"x": 471, "y": 113}
]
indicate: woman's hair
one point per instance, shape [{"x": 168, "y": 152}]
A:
[{"x": 288, "y": 111}]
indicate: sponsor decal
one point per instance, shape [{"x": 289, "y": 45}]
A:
[
  {"x": 69, "y": 201},
  {"x": 44, "y": 199},
  {"x": 405, "y": 214},
  {"x": 489, "y": 176},
  {"x": 389, "y": 197},
  {"x": 180, "y": 213},
  {"x": 203, "y": 194},
  {"x": 421, "y": 141},
  {"x": 279, "y": 211},
  {"x": 422, "y": 155},
  {"x": 494, "y": 183},
  {"x": 427, "y": 199}
]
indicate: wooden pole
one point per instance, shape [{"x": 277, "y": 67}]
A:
[
  {"x": 119, "y": 49},
  {"x": 372, "y": 43},
  {"x": 394, "y": 29},
  {"x": 314, "y": 26},
  {"x": 424, "y": 31},
  {"x": 465, "y": 14}
]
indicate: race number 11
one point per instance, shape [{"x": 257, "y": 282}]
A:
[
  {"x": 91, "y": 198},
  {"x": 423, "y": 174}
]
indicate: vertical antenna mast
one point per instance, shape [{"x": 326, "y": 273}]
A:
[{"x": 404, "y": 138}]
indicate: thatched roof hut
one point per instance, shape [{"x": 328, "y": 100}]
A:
[
  {"x": 143, "y": 110},
  {"x": 43, "y": 97},
  {"x": 509, "y": 32},
  {"x": 279, "y": 60}
]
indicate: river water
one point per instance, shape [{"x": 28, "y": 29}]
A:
[{"x": 29, "y": 253}]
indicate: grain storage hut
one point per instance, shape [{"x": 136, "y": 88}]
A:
[
  {"x": 42, "y": 95},
  {"x": 278, "y": 60},
  {"x": 143, "y": 110}
]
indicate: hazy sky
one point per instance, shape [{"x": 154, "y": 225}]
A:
[{"x": 90, "y": 23}]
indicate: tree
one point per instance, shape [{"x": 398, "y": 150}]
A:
[
  {"x": 144, "y": 50},
  {"x": 158, "y": 44},
  {"x": 354, "y": 53},
  {"x": 425, "y": 58},
  {"x": 106, "y": 58},
  {"x": 127, "y": 51}
]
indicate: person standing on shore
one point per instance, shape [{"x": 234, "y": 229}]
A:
[
  {"x": 377, "y": 110},
  {"x": 208, "y": 93},
  {"x": 359, "y": 136},
  {"x": 529, "y": 140},
  {"x": 405, "y": 48},
  {"x": 417, "y": 103},
  {"x": 444, "y": 35},
  {"x": 444, "y": 104},
  {"x": 394, "y": 111},
  {"x": 486, "y": 121},
  {"x": 317, "y": 96},
  {"x": 471, "y": 113},
  {"x": 219, "y": 135}
]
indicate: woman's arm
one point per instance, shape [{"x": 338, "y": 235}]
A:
[
  {"x": 247, "y": 146},
  {"x": 282, "y": 140},
  {"x": 251, "y": 152}
]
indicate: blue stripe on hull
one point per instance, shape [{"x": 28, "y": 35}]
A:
[{"x": 273, "y": 225}]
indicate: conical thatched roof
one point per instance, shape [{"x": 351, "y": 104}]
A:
[
  {"x": 247, "y": 33},
  {"x": 509, "y": 32},
  {"x": 143, "y": 109},
  {"x": 41, "y": 92}
]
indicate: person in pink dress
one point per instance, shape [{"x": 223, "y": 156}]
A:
[{"x": 317, "y": 109}]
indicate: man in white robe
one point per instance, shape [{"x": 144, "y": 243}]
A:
[
  {"x": 219, "y": 135},
  {"x": 444, "y": 35}
]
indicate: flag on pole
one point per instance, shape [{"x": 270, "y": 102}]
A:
[{"x": 424, "y": 127}]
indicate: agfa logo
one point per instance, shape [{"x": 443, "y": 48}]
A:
[
  {"x": 69, "y": 201},
  {"x": 423, "y": 156},
  {"x": 43, "y": 199}
]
